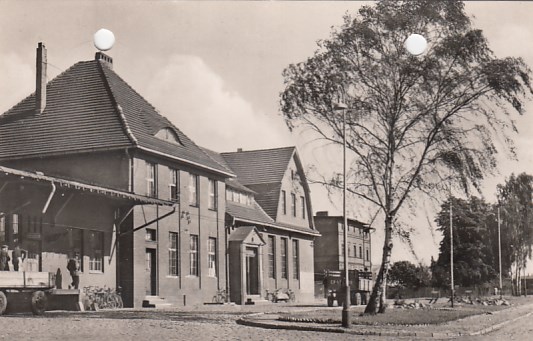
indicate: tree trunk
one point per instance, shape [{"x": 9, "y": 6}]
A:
[{"x": 376, "y": 303}]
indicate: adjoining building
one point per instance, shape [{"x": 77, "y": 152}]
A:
[
  {"x": 270, "y": 225},
  {"x": 329, "y": 248}
]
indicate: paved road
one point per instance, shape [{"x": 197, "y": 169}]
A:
[
  {"x": 518, "y": 330},
  {"x": 149, "y": 326}
]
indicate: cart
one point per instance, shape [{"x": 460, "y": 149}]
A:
[
  {"x": 26, "y": 286},
  {"x": 360, "y": 287}
]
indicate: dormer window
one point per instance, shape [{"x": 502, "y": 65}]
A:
[{"x": 169, "y": 135}]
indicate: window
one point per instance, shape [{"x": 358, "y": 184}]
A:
[
  {"x": 212, "y": 257},
  {"x": 355, "y": 250},
  {"x": 2, "y": 229},
  {"x": 15, "y": 228},
  {"x": 284, "y": 247},
  {"x": 212, "y": 194},
  {"x": 284, "y": 202},
  {"x": 193, "y": 255},
  {"x": 168, "y": 134},
  {"x": 367, "y": 255},
  {"x": 293, "y": 204},
  {"x": 271, "y": 257},
  {"x": 96, "y": 251},
  {"x": 151, "y": 184},
  {"x": 302, "y": 203},
  {"x": 295, "y": 259},
  {"x": 360, "y": 252},
  {"x": 193, "y": 189},
  {"x": 151, "y": 235},
  {"x": 174, "y": 184},
  {"x": 173, "y": 269}
]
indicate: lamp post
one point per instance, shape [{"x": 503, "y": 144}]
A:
[
  {"x": 500, "y": 249},
  {"x": 451, "y": 250},
  {"x": 346, "y": 302}
]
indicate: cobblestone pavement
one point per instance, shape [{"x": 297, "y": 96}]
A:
[{"x": 149, "y": 325}]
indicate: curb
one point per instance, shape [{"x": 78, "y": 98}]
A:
[{"x": 248, "y": 321}]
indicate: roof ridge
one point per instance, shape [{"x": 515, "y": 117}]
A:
[
  {"x": 117, "y": 106},
  {"x": 259, "y": 150}
]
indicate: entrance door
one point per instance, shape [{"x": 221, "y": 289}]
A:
[
  {"x": 252, "y": 271},
  {"x": 151, "y": 272}
]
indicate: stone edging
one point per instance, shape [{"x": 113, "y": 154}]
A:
[{"x": 249, "y": 321}]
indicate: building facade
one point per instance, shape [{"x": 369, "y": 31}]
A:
[
  {"x": 90, "y": 126},
  {"x": 150, "y": 212},
  {"x": 329, "y": 248},
  {"x": 269, "y": 224}
]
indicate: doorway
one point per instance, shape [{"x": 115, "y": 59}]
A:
[
  {"x": 151, "y": 272},
  {"x": 252, "y": 271}
]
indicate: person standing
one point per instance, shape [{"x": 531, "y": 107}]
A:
[
  {"x": 73, "y": 266},
  {"x": 17, "y": 255},
  {"x": 4, "y": 259}
]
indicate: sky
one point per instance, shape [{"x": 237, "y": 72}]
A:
[{"x": 215, "y": 69}]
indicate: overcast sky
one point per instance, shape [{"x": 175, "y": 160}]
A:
[{"x": 215, "y": 68}]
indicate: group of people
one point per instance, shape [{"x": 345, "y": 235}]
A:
[{"x": 17, "y": 254}]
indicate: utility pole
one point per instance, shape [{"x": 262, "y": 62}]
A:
[
  {"x": 500, "y": 249},
  {"x": 451, "y": 249}
]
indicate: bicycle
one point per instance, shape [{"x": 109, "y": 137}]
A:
[{"x": 220, "y": 297}]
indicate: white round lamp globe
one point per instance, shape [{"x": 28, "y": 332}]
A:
[
  {"x": 104, "y": 39},
  {"x": 416, "y": 44}
]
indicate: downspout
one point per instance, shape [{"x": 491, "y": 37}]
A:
[{"x": 49, "y": 197}]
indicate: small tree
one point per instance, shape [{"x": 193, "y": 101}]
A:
[
  {"x": 515, "y": 199},
  {"x": 413, "y": 121},
  {"x": 408, "y": 275},
  {"x": 473, "y": 258}
]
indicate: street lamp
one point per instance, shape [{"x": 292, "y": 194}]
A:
[
  {"x": 346, "y": 301},
  {"x": 500, "y": 249}
]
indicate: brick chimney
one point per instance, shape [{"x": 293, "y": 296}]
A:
[
  {"x": 104, "y": 59},
  {"x": 40, "y": 84},
  {"x": 322, "y": 213},
  {"x": 239, "y": 150}
]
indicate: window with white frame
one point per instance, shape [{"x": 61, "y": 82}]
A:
[
  {"x": 151, "y": 184},
  {"x": 174, "y": 184},
  {"x": 284, "y": 260},
  {"x": 284, "y": 202},
  {"x": 212, "y": 257},
  {"x": 212, "y": 194},
  {"x": 302, "y": 203},
  {"x": 173, "y": 269},
  {"x": 271, "y": 257},
  {"x": 293, "y": 204},
  {"x": 96, "y": 251},
  {"x": 295, "y": 259},
  {"x": 2, "y": 228},
  {"x": 15, "y": 228},
  {"x": 193, "y": 255},
  {"x": 193, "y": 189}
]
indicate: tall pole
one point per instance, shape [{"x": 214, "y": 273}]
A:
[
  {"x": 500, "y": 250},
  {"x": 451, "y": 248},
  {"x": 346, "y": 305}
]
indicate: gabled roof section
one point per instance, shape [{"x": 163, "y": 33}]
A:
[
  {"x": 89, "y": 107},
  {"x": 260, "y": 166},
  {"x": 247, "y": 234}
]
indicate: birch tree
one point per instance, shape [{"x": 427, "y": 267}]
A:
[{"x": 413, "y": 122}]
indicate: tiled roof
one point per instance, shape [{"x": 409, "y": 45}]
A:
[
  {"x": 250, "y": 213},
  {"x": 268, "y": 197},
  {"x": 260, "y": 166},
  {"x": 89, "y": 107}
]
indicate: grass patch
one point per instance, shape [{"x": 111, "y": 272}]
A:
[{"x": 394, "y": 316}]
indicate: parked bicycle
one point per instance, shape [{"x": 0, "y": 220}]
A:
[
  {"x": 103, "y": 298},
  {"x": 220, "y": 297}
]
